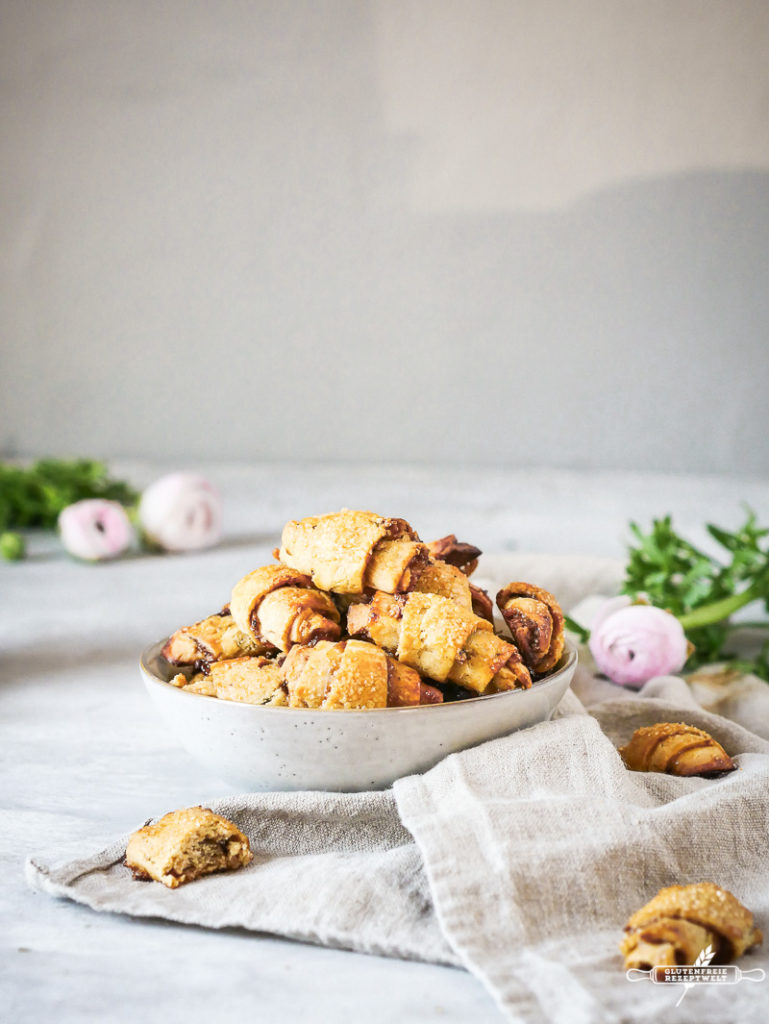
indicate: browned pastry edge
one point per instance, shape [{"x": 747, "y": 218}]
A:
[
  {"x": 405, "y": 626},
  {"x": 313, "y": 612},
  {"x": 541, "y": 653},
  {"x": 430, "y": 694},
  {"x": 198, "y": 645},
  {"x": 704, "y": 904},
  {"x": 482, "y": 606},
  {"x": 457, "y": 553},
  {"x": 640, "y": 752}
]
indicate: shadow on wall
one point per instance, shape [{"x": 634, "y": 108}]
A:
[{"x": 628, "y": 331}]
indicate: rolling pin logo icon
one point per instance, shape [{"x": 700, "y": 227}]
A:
[{"x": 700, "y": 972}]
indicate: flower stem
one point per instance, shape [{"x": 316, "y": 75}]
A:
[{"x": 709, "y": 614}]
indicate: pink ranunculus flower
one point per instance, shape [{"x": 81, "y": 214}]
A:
[
  {"x": 633, "y": 643},
  {"x": 181, "y": 512},
  {"x": 95, "y": 529}
]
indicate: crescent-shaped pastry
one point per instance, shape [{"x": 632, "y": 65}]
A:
[
  {"x": 447, "y": 580},
  {"x": 440, "y": 640},
  {"x": 349, "y": 674},
  {"x": 676, "y": 749},
  {"x": 209, "y": 640},
  {"x": 246, "y": 680},
  {"x": 536, "y": 622},
  {"x": 280, "y": 606},
  {"x": 349, "y": 552},
  {"x": 681, "y": 921}
]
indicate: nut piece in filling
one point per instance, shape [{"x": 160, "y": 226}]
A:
[{"x": 184, "y": 845}]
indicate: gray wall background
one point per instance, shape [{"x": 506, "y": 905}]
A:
[{"x": 478, "y": 231}]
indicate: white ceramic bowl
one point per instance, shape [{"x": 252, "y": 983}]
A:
[{"x": 273, "y": 748}]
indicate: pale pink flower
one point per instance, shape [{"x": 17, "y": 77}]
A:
[
  {"x": 633, "y": 643},
  {"x": 181, "y": 512},
  {"x": 95, "y": 529}
]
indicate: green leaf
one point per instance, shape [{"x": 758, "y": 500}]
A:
[
  {"x": 574, "y": 627},
  {"x": 12, "y": 546},
  {"x": 34, "y": 496},
  {"x": 700, "y": 589}
]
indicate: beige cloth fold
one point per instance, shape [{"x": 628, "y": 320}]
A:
[{"x": 520, "y": 860}]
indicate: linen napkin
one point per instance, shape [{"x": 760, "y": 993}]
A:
[{"x": 520, "y": 859}]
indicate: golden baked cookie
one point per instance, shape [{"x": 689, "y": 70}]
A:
[
  {"x": 351, "y": 674},
  {"x": 279, "y": 606},
  {"x": 349, "y": 552},
  {"x": 676, "y": 749},
  {"x": 247, "y": 680},
  {"x": 536, "y": 621},
  {"x": 184, "y": 845},
  {"x": 199, "y": 683},
  {"x": 683, "y": 920},
  {"x": 212, "y": 638},
  {"x": 446, "y": 581},
  {"x": 441, "y": 640}
]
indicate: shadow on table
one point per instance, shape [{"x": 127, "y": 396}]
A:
[
  {"x": 22, "y": 666},
  {"x": 248, "y": 540},
  {"x": 43, "y": 547}
]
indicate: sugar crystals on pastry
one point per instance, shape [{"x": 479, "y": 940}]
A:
[
  {"x": 441, "y": 640},
  {"x": 445, "y": 580},
  {"x": 681, "y": 921},
  {"x": 350, "y": 674},
  {"x": 350, "y": 551},
  {"x": 450, "y": 560},
  {"x": 676, "y": 749}
]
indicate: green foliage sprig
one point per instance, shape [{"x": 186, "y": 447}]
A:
[
  {"x": 33, "y": 496},
  {"x": 700, "y": 590}
]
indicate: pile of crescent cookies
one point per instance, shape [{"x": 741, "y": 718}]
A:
[{"x": 357, "y": 613}]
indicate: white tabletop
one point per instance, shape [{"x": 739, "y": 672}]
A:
[{"x": 83, "y": 754}]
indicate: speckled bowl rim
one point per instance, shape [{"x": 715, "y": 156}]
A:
[{"x": 567, "y": 665}]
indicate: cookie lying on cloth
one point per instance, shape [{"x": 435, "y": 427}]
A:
[
  {"x": 683, "y": 920},
  {"x": 184, "y": 845},
  {"x": 675, "y": 749}
]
